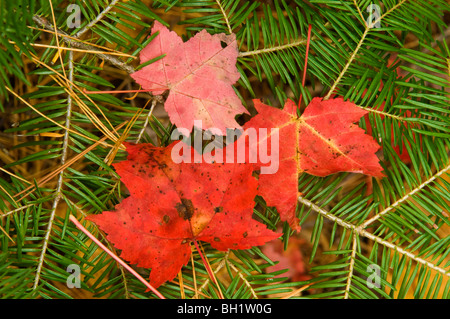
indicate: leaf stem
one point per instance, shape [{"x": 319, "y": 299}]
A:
[
  {"x": 208, "y": 268},
  {"x": 306, "y": 62},
  {"x": 114, "y": 256}
]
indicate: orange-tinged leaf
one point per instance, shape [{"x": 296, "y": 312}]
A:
[
  {"x": 172, "y": 204},
  {"x": 322, "y": 141}
]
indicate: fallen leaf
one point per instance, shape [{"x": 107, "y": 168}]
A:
[
  {"x": 170, "y": 205},
  {"x": 322, "y": 141},
  {"x": 199, "y": 74},
  {"x": 291, "y": 258}
]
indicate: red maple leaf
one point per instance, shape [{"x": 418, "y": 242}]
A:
[
  {"x": 199, "y": 74},
  {"x": 172, "y": 204},
  {"x": 290, "y": 258},
  {"x": 321, "y": 142}
]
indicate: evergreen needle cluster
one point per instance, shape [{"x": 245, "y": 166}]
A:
[{"x": 365, "y": 237}]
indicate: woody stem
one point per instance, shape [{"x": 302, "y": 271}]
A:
[
  {"x": 306, "y": 63},
  {"x": 208, "y": 267},
  {"x": 114, "y": 256}
]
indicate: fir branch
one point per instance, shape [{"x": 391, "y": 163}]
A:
[
  {"x": 352, "y": 263},
  {"x": 396, "y": 117},
  {"x": 115, "y": 257},
  {"x": 404, "y": 198},
  {"x": 273, "y": 49},
  {"x": 57, "y": 39},
  {"x": 225, "y": 17},
  {"x": 218, "y": 268},
  {"x": 368, "y": 27},
  {"x": 346, "y": 56},
  {"x": 38, "y": 45},
  {"x": 59, "y": 183},
  {"x": 15, "y": 210},
  {"x": 362, "y": 232},
  {"x": 147, "y": 119},
  {"x": 97, "y": 19},
  {"x": 388, "y": 12},
  {"x": 110, "y": 247},
  {"x": 350, "y": 60},
  {"x": 246, "y": 282},
  {"x": 360, "y": 13},
  {"x": 41, "y": 21}
]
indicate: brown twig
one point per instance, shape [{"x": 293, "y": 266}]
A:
[{"x": 41, "y": 21}]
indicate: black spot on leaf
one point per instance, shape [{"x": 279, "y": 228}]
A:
[{"x": 185, "y": 209}]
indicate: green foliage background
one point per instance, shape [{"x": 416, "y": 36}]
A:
[{"x": 55, "y": 160}]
